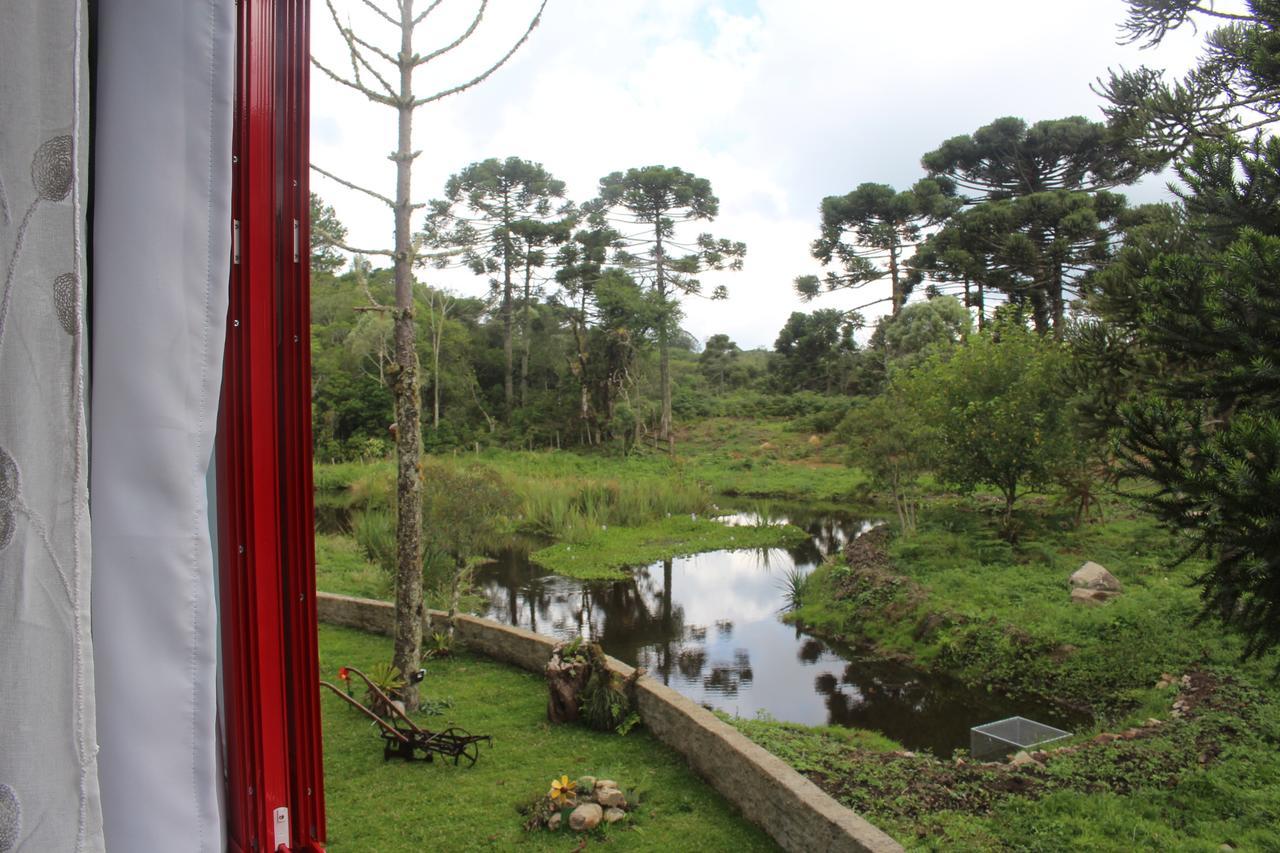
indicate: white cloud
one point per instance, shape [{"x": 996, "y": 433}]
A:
[{"x": 777, "y": 102}]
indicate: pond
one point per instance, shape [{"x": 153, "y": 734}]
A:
[{"x": 710, "y": 627}]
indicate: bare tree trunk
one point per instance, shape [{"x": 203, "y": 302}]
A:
[
  {"x": 409, "y": 612},
  {"x": 455, "y": 596},
  {"x": 396, "y": 92},
  {"x": 524, "y": 335},
  {"x": 899, "y": 298},
  {"x": 664, "y": 355}
]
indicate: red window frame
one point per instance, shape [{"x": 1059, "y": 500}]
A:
[{"x": 267, "y": 611}]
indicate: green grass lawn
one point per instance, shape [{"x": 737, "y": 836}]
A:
[{"x": 383, "y": 807}]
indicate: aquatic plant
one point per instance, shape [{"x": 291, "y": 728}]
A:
[{"x": 793, "y": 584}]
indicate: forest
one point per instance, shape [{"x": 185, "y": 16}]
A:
[{"x": 1057, "y": 376}]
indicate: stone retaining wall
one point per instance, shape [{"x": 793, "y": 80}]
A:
[{"x": 798, "y": 814}]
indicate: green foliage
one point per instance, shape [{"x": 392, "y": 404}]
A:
[
  {"x": 999, "y": 412},
  {"x": 792, "y": 584},
  {"x": 891, "y": 437},
  {"x": 387, "y": 679},
  {"x": 1009, "y": 158},
  {"x": 663, "y": 198},
  {"x": 567, "y": 508},
  {"x": 375, "y": 532},
  {"x": 465, "y": 510},
  {"x": 868, "y": 231},
  {"x": 1203, "y": 428},
  {"x": 813, "y": 352},
  {"x": 1234, "y": 87},
  {"x": 604, "y": 553},
  {"x": 1039, "y": 214},
  {"x": 326, "y": 230},
  {"x": 605, "y": 700}
]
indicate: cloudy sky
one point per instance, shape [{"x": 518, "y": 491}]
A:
[{"x": 777, "y": 102}]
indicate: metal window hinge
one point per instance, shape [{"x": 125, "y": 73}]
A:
[
  {"x": 235, "y": 241},
  {"x": 295, "y": 241},
  {"x": 280, "y": 825}
]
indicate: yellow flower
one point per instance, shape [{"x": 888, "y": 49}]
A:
[{"x": 562, "y": 790}]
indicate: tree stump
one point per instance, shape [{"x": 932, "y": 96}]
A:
[{"x": 566, "y": 676}]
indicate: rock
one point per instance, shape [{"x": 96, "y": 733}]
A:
[
  {"x": 1022, "y": 759},
  {"x": 605, "y": 783},
  {"x": 1091, "y": 597},
  {"x": 585, "y": 817},
  {"x": 553, "y": 822},
  {"x": 1153, "y": 722},
  {"x": 1062, "y": 652},
  {"x": 611, "y": 798},
  {"x": 586, "y": 783},
  {"x": 613, "y": 815},
  {"x": 1093, "y": 576}
]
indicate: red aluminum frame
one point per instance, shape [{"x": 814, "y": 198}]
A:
[{"x": 271, "y": 706}]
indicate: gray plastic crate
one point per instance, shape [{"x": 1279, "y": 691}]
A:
[{"x": 997, "y": 740}]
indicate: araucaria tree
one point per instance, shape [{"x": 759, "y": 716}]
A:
[
  {"x": 383, "y": 70},
  {"x": 501, "y": 214},
  {"x": 659, "y": 199},
  {"x": 1038, "y": 209},
  {"x": 1235, "y": 87},
  {"x": 871, "y": 232}
]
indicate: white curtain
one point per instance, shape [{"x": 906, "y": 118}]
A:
[
  {"x": 48, "y": 778},
  {"x": 162, "y": 244}
]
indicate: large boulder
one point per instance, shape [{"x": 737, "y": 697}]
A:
[{"x": 1093, "y": 576}]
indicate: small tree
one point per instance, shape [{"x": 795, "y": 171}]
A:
[
  {"x": 464, "y": 512},
  {"x": 718, "y": 359},
  {"x": 1001, "y": 411},
  {"x": 890, "y": 438}
]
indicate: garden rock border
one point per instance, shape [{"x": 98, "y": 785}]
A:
[{"x": 796, "y": 813}]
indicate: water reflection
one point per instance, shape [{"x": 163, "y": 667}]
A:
[{"x": 709, "y": 626}]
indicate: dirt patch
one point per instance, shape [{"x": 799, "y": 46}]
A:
[{"x": 870, "y": 581}]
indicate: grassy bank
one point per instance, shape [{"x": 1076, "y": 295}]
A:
[
  {"x": 1197, "y": 760},
  {"x": 601, "y": 512},
  {"x": 394, "y": 806},
  {"x": 957, "y": 597},
  {"x": 605, "y": 553}
]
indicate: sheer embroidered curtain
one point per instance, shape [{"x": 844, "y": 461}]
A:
[{"x": 48, "y": 772}]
